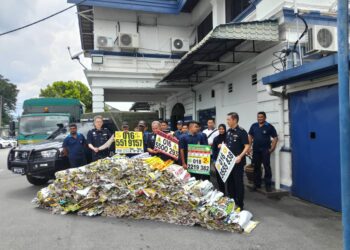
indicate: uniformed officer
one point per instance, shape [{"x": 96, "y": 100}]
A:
[
  {"x": 164, "y": 127},
  {"x": 125, "y": 126},
  {"x": 237, "y": 142},
  {"x": 260, "y": 134},
  {"x": 98, "y": 137},
  {"x": 178, "y": 132},
  {"x": 74, "y": 147},
  {"x": 142, "y": 127},
  {"x": 193, "y": 137},
  {"x": 151, "y": 140}
]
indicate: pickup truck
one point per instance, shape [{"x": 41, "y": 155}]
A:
[{"x": 39, "y": 162}]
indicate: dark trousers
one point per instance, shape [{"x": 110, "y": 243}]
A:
[
  {"x": 221, "y": 184},
  {"x": 200, "y": 176},
  {"x": 75, "y": 163},
  {"x": 235, "y": 185},
  {"x": 100, "y": 155},
  {"x": 262, "y": 157}
]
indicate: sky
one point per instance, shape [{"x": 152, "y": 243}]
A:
[{"x": 37, "y": 56}]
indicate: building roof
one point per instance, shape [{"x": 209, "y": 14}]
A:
[
  {"x": 320, "y": 68},
  {"x": 155, "y": 6},
  {"x": 222, "y": 40}
]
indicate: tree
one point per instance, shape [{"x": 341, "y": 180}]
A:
[
  {"x": 9, "y": 93},
  {"x": 70, "y": 89}
]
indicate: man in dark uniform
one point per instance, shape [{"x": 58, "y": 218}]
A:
[
  {"x": 178, "y": 132},
  {"x": 260, "y": 135},
  {"x": 98, "y": 137},
  {"x": 74, "y": 147},
  {"x": 194, "y": 136},
  {"x": 238, "y": 143},
  {"x": 142, "y": 127},
  {"x": 151, "y": 140}
]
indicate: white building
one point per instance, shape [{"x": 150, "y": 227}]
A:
[{"x": 226, "y": 48}]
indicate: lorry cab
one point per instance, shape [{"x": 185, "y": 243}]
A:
[{"x": 41, "y": 116}]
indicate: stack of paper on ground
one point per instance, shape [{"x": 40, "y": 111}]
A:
[{"x": 142, "y": 189}]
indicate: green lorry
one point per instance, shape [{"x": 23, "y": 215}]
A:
[{"x": 41, "y": 116}]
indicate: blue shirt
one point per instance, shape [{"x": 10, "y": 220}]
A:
[
  {"x": 75, "y": 146},
  {"x": 262, "y": 135},
  {"x": 186, "y": 139}
]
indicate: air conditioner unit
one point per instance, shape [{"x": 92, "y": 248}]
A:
[
  {"x": 128, "y": 41},
  {"x": 105, "y": 42},
  {"x": 321, "y": 39},
  {"x": 179, "y": 44}
]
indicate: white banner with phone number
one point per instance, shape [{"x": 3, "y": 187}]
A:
[{"x": 225, "y": 162}]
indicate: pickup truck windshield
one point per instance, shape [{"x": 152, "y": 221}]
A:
[{"x": 44, "y": 125}]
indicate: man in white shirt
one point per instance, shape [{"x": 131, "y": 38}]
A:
[{"x": 211, "y": 132}]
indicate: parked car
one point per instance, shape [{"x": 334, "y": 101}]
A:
[
  {"x": 40, "y": 161},
  {"x": 6, "y": 143}
]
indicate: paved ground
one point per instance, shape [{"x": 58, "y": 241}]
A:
[{"x": 285, "y": 224}]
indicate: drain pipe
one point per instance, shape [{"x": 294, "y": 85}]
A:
[
  {"x": 194, "y": 117},
  {"x": 344, "y": 115},
  {"x": 280, "y": 134}
]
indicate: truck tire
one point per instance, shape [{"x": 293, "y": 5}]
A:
[{"x": 36, "y": 181}]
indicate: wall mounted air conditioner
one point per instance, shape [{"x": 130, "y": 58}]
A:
[
  {"x": 128, "y": 41},
  {"x": 179, "y": 44},
  {"x": 105, "y": 42},
  {"x": 321, "y": 39}
]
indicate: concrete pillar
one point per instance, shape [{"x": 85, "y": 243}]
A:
[
  {"x": 98, "y": 99},
  {"x": 219, "y": 12}
]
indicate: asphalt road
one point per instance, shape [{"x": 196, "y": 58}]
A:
[{"x": 285, "y": 224}]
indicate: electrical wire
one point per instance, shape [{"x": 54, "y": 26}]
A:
[{"x": 41, "y": 20}]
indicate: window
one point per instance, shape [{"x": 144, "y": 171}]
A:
[
  {"x": 254, "y": 79},
  {"x": 230, "y": 87},
  {"x": 234, "y": 8},
  {"x": 199, "y": 98},
  {"x": 212, "y": 93},
  {"x": 205, "y": 27}
]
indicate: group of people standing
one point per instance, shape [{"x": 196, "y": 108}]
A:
[{"x": 260, "y": 142}]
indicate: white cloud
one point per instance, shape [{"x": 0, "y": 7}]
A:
[{"x": 37, "y": 56}]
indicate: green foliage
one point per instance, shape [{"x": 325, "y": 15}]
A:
[
  {"x": 70, "y": 89},
  {"x": 9, "y": 93}
]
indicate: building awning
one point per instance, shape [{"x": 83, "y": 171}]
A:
[
  {"x": 155, "y": 6},
  {"x": 223, "y": 47},
  {"x": 140, "y": 106},
  {"x": 326, "y": 66}
]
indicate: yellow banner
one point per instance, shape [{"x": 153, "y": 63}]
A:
[{"x": 128, "y": 142}]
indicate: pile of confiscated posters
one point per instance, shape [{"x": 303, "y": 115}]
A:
[{"x": 142, "y": 188}]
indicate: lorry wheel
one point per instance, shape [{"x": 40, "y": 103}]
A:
[{"x": 36, "y": 181}]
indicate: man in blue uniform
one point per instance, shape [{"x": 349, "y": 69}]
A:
[
  {"x": 98, "y": 137},
  {"x": 260, "y": 135},
  {"x": 193, "y": 137},
  {"x": 237, "y": 142},
  {"x": 142, "y": 127},
  {"x": 178, "y": 132},
  {"x": 73, "y": 147}
]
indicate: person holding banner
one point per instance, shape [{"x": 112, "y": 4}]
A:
[
  {"x": 218, "y": 141},
  {"x": 98, "y": 137},
  {"x": 151, "y": 141},
  {"x": 237, "y": 142},
  {"x": 142, "y": 127},
  {"x": 192, "y": 138}
]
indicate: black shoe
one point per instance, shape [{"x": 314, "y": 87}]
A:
[
  {"x": 268, "y": 189},
  {"x": 255, "y": 188}
]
